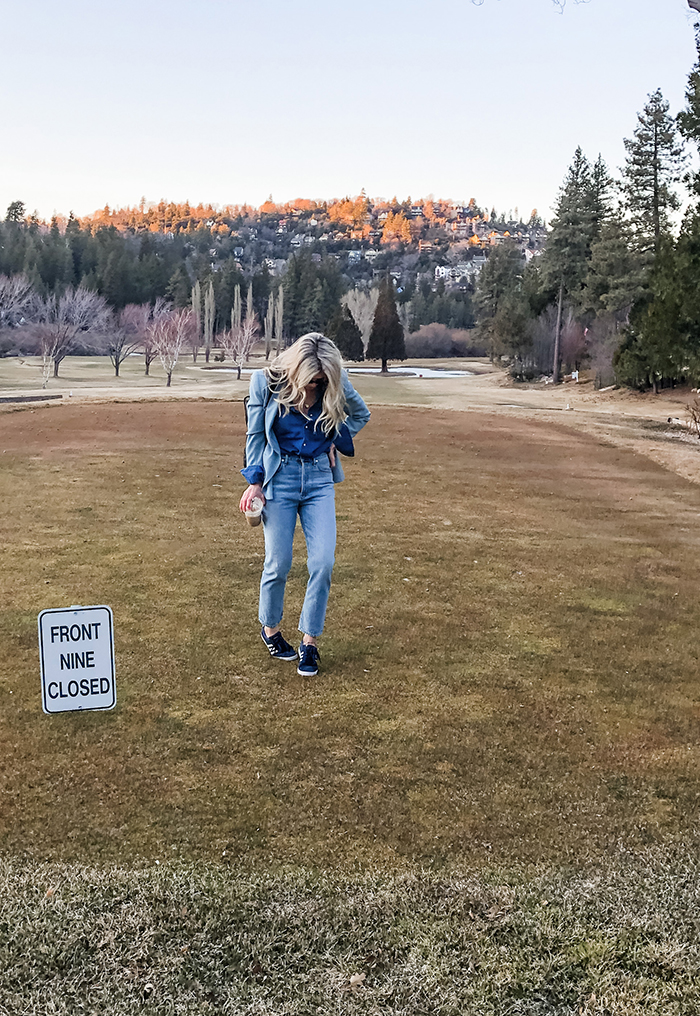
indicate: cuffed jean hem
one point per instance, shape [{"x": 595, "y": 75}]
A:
[{"x": 270, "y": 624}]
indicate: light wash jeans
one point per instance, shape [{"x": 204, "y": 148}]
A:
[{"x": 302, "y": 487}]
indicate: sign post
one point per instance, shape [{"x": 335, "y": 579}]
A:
[{"x": 76, "y": 646}]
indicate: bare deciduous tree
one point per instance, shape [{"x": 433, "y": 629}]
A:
[
  {"x": 229, "y": 340},
  {"x": 62, "y": 319},
  {"x": 362, "y": 304},
  {"x": 169, "y": 333},
  {"x": 237, "y": 342},
  {"x": 16, "y": 297},
  {"x": 127, "y": 333},
  {"x": 249, "y": 333},
  {"x": 160, "y": 307}
]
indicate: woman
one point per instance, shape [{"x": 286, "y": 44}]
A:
[{"x": 301, "y": 409}]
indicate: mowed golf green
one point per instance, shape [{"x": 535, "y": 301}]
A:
[{"x": 509, "y": 671}]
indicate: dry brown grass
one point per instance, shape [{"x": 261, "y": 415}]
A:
[{"x": 509, "y": 670}]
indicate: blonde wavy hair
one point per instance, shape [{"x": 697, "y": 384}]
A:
[{"x": 292, "y": 370}]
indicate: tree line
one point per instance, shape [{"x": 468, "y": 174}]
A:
[
  {"x": 77, "y": 319},
  {"x": 615, "y": 287}
]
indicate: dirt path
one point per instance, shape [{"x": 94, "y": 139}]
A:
[{"x": 626, "y": 419}]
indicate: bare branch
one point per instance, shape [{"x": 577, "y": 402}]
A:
[
  {"x": 169, "y": 333},
  {"x": 128, "y": 333},
  {"x": 362, "y": 304},
  {"x": 63, "y": 319},
  {"x": 15, "y": 298}
]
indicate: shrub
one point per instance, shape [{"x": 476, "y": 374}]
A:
[{"x": 436, "y": 340}]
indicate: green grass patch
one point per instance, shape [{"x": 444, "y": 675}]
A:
[{"x": 192, "y": 939}]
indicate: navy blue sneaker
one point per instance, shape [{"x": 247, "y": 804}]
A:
[
  {"x": 278, "y": 646},
  {"x": 308, "y": 660}
]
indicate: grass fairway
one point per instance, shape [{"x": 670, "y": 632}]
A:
[{"x": 509, "y": 680}]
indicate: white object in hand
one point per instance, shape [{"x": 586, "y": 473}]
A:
[{"x": 254, "y": 513}]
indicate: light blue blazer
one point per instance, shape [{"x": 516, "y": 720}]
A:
[{"x": 262, "y": 447}]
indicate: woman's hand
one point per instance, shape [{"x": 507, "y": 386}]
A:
[
  {"x": 331, "y": 456},
  {"x": 255, "y": 490}
]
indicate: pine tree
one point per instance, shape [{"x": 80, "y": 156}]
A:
[
  {"x": 179, "y": 288},
  {"x": 617, "y": 277},
  {"x": 689, "y": 118},
  {"x": 386, "y": 340},
  {"x": 501, "y": 303},
  {"x": 346, "y": 335},
  {"x": 663, "y": 341},
  {"x": 579, "y": 212},
  {"x": 653, "y": 165}
]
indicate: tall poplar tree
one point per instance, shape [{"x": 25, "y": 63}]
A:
[
  {"x": 209, "y": 310},
  {"x": 386, "y": 340},
  {"x": 197, "y": 312},
  {"x": 279, "y": 319},
  {"x": 269, "y": 324}
]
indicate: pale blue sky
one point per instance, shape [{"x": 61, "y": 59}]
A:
[{"x": 228, "y": 101}]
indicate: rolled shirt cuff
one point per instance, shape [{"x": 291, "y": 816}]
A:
[{"x": 254, "y": 474}]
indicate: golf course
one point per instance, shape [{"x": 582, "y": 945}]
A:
[{"x": 487, "y": 800}]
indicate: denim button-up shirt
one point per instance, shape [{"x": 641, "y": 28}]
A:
[
  {"x": 299, "y": 435},
  {"x": 263, "y": 451}
]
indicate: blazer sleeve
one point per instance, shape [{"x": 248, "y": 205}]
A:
[
  {"x": 358, "y": 413},
  {"x": 255, "y": 440}
]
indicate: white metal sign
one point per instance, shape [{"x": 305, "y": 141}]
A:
[{"x": 76, "y": 646}]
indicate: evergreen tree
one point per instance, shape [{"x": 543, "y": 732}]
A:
[
  {"x": 179, "y": 288},
  {"x": 386, "y": 340},
  {"x": 346, "y": 335},
  {"x": 653, "y": 165},
  {"x": 312, "y": 293},
  {"x": 578, "y": 216},
  {"x": 503, "y": 310},
  {"x": 663, "y": 342},
  {"x": 602, "y": 187},
  {"x": 689, "y": 118},
  {"x": 617, "y": 276},
  {"x": 15, "y": 212}
]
